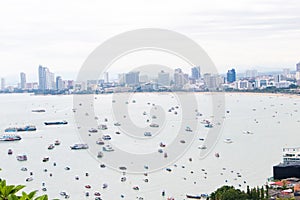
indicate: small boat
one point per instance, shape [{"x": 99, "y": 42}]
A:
[
  {"x": 46, "y": 159},
  {"x": 22, "y": 157},
  {"x": 217, "y": 155},
  {"x": 123, "y": 179},
  {"x": 29, "y": 179},
  {"x": 10, "y": 138},
  {"x": 38, "y": 110},
  {"x": 19, "y": 129},
  {"x": 102, "y": 126},
  {"x": 100, "y": 154},
  {"x": 193, "y": 196},
  {"x": 107, "y": 148},
  {"x": 122, "y": 168},
  {"x": 135, "y": 188},
  {"x": 147, "y": 134},
  {"x": 247, "y": 132},
  {"x": 9, "y": 152},
  {"x": 162, "y": 144},
  {"x": 79, "y": 146},
  {"x": 100, "y": 141},
  {"x": 117, "y": 124},
  {"x": 64, "y": 122},
  {"x": 93, "y": 130},
  {"x": 106, "y": 137},
  {"x": 57, "y": 142},
  {"x": 24, "y": 169},
  {"x": 188, "y": 129},
  {"x": 154, "y": 125},
  {"x": 228, "y": 140},
  {"x": 51, "y": 146},
  {"x": 202, "y": 147},
  {"x": 209, "y": 125}
]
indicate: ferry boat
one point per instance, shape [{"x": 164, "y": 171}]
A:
[
  {"x": 10, "y": 138},
  {"x": 291, "y": 155},
  {"x": 79, "y": 146},
  {"x": 18, "y": 129},
  {"x": 56, "y": 123},
  {"x": 21, "y": 157}
]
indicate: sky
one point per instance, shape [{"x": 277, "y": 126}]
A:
[{"x": 241, "y": 34}]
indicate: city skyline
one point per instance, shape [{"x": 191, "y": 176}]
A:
[{"x": 262, "y": 35}]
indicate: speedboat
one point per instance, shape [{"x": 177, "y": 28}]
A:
[
  {"x": 79, "y": 146},
  {"x": 228, "y": 140},
  {"x": 107, "y": 148}
]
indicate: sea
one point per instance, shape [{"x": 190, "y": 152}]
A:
[{"x": 244, "y": 143}]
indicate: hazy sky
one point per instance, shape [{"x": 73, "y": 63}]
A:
[{"x": 258, "y": 34}]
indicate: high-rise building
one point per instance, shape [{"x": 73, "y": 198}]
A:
[
  {"x": 59, "y": 83},
  {"x": 231, "y": 76},
  {"x": 132, "y": 78},
  {"x": 163, "y": 79},
  {"x": 23, "y": 80},
  {"x": 180, "y": 79},
  {"x": 298, "y": 67},
  {"x": 46, "y": 79},
  {"x": 106, "y": 77},
  {"x": 196, "y": 73},
  {"x": 286, "y": 72},
  {"x": 2, "y": 83}
]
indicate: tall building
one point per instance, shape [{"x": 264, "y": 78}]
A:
[
  {"x": 106, "y": 77},
  {"x": 231, "y": 76},
  {"x": 298, "y": 67},
  {"x": 163, "y": 79},
  {"x": 196, "y": 73},
  {"x": 132, "y": 78},
  {"x": 2, "y": 83},
  {"x": 59, "y": 83},
  {"x": 23, "y": 80},
  {"x": 46, "y": 79},
  {"x": 180, "y": 79}
]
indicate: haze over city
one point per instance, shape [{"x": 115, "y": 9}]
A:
[{"x": 262, "y": 35}]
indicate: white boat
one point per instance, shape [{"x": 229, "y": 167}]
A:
[
  {"x": 100, "y": 141},
  {"x": 228, "y": 140},
  {"x": 106, "y": 137},
  {"x": 107, "y": 148},
  {"x": 79, "y": 146}
]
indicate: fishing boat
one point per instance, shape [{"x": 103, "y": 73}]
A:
[
  {"x": 64, "y": 122},
  {"x": 10, "y": 138},
  {"x": 19, "y": 129}
]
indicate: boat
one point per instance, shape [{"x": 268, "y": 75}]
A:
[
  {"x": 228, "y": 140},
  {"x": 100, "y": 141},
  {"x": 38, "y": 110},
  {"x": 217, "y": 155},
  {"x": 46, "y": 159},
  {"x": 102, "y": 127},
  {"x": 29, "y": 179},
  {"x": 51, "y": 146},
  {"x": 209, "y": 125},
  {"x": 154, "y": 125},
  {"x": 57, "y": 142},
  {"x": 22, "y": 157},
  {"x": 247, "y": 132},
  {"x": 107, "y": 148},
  {"x": 147, "y": 134},
  {"x": 202, "y": 147},
  {"x": 19, "y": 129},
  {"x": 64, "y": 122},
  {"x": 193, "y": 196},
  {"x": 10, "y": 138},
  {"x": 79, "y": 146},
  {"x": 9, "y": 152},
  {"x": 100, "y": 154},
  {"x": 188, "y": 129},
  {"x": 162, "y": 144},
  {"x": 117, "y": 124},
  {"x": 106, "y": 137},
  {"x": 93, "y": 130}
]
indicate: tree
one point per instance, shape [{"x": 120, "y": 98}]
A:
[{"x": 9, "y": 192}]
